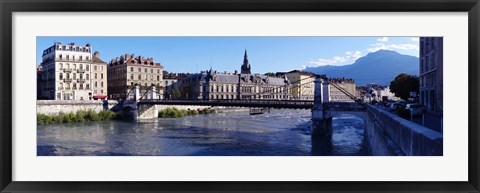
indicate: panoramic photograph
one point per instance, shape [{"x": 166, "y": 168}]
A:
[{"x": 239, "y": 96}]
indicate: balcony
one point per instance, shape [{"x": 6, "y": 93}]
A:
[
  {"x": 67, "y": 70},
  {"x": 60, "y": 88},
  {"x": 81, "y": 70},
  {"x": 74, "y": 88},
  {"x": 67, "y": 80},
  {"x": 81, "y": 80},
  {"x": 81, "y": 88}
]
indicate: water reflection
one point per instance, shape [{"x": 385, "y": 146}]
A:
[{"x": 280, "y": 133}]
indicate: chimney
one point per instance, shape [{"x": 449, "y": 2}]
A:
[{"x": 97, "y": 54}]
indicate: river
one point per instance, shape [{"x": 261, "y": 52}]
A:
[{"x": 278, "y": 133}]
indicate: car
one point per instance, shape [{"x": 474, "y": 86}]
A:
[
  {"x": 415, "y": 108},
  {"x": 397, "y": 105}
]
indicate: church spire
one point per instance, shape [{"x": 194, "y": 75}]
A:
[
  {"x": 245, "y": 69},
  {"x": 245, "y": 57}
]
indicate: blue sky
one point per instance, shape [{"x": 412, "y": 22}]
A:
[{"x": 266, "y": 54}]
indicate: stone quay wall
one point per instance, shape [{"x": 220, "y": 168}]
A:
[
  {"x": 389, "y": 134},
  {"x": 386, "y": 134},
  {"x": 51, "y": 107}
]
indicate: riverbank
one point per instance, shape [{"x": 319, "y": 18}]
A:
[{"x": 79, "y": 116}]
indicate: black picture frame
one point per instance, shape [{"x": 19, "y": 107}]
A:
[{"x": 10, "y": 6}]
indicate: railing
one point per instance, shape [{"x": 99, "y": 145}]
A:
[
  {"x": 81, "y": 70},
  {"x": 67, "y": 80},
  {"x": 67, "y": 70},
  {"x": 81, "y": 80}
]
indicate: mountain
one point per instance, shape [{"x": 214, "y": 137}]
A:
[{"x": 378, "y": 67}]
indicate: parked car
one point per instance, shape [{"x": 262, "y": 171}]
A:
[
  {"x": 415, "y": 109},
  {"x": 397, "y": 105}
]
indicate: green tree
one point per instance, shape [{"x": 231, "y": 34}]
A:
[
  {"x": 403, "y": 85},
  {"x": 176, "y": 93},
  {"x": 270, "y": 74}
]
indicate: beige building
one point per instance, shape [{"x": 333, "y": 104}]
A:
[
  {"x": 98, "y": 77},
  {"x": 65, "y": 72},
  {"x": 215, "y": 85},
  {"x": 346, "y": 85},
  {"x": 127, "y": 70},
  {"x": 303, "y": 85}
]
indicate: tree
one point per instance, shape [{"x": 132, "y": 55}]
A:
[
  {"x": 270, "y": 74},
  {"x": 403, "y": 85},
  {"x": 176, "y": 93}
]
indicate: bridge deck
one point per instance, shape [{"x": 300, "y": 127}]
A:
[{"x": 280, "y": 104}]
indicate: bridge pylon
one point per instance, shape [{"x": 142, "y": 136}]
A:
[{"x": 321, "y": 119}]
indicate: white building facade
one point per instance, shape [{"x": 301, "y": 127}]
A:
[{"x": 66, "y": 72}]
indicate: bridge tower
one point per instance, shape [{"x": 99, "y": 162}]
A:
[
  {"x": 143, "y": 111},
  {"x": 321, "y": 119}
]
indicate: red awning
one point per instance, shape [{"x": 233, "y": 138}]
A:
[{"x": 100, "y": 97}]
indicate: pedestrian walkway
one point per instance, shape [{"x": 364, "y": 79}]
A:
[{"x": 430, "y": 121}]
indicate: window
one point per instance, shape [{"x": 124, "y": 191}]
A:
[
  {"x": 95, "y": 84},
  {"x": 60, "y": 56},
  {"x": 68, "y": 56},
  {"x": 80, "y": 58},
  {"x": 81, "y": 66},
  {"x": 139, "y": 70},
  {"x": 61, "y": 76},
  {"x": 139, "y": 77},
  {"x": 101, "y": 68},
  {"x": 145, "y": 70},
  {"x": 60, "y": 66},
  {"x": 95, "y": 75},
  {"x": 88, "y": 67},
  {"x": 158, "y": 79},
  {"x": 95, "y": 67},
  {"x": 101, "y": 91},
  {"x": 131, "y": 76},
  {"x": 151, "y": 70},
  {"x": 81, "y": 76},
  {"x": 101, "y": 75},
  {"x": 158, "y": 71},
  {"x": 74, "y": 76},
  {"x": 101, "y": 84},
  {"x": 131, "y": 69},
  {"x": 88, "y": 77},
  {"x": 74, "y": 66}
]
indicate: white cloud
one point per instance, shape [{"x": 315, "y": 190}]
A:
[
  {"x": 382, "y": 46},
  {"x": 384, "y": 39},
  {"x": 415, "y": 39},
  {"x": 349, "y": 57}
]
